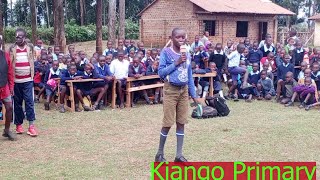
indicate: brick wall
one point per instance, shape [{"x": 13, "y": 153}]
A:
[{"x": 157, "y": 22}]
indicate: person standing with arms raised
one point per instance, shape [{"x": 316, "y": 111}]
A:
[
  {"x": 21, "y": 54},
  {"x": 175, "y": 70}
]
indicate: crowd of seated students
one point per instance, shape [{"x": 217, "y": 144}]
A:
[
  {"x": 249, "y": 69},
  {"x": 127, "y": 60},
  {"x": 261, "y": 70}
]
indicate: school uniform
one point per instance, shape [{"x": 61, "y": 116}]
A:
[
  {"x": 255, "y": 56},
  {"x": 107, "y": 51},
  {"x": 51, "y": 74},
  {"x": 87, "y": 87},
  {"x": 288, "y": 90},
  {"x": 136, "y": 70},
  {"x": 102, "y": 73},
  {"x": 267, "y": 87},
  {"x": 316, "y": 78},
  {"x": 129, "y": 48},
  {"x": 120, "y": 70},
  {"x": 81, "y": 65},
  {"x": 178, "y": 85},
  {"x": 219, "y": 58},
  {"x": 283, "y": 70},
  {"x": 197, "y": 58},
  {"x": 233, "y": 65},
  {"x": 296, "y": 60},
  {"x": 39, "y": 79},
  {"x": 205, "y": 82},
  {"x": 196, "y": 44},
  {"x": 253, "y": 78},
  {"x": 265, "y": 50},
  {"x": 65, "y": 75}
]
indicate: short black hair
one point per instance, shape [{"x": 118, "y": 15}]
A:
[
  {"x": 174, "y": 31},
  {"x": 21, "y": 30},
  {"x": 121, "y": 51}
]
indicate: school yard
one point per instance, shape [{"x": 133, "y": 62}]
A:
[{"x": 114, "y": 144}]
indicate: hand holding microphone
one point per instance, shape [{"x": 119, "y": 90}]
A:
[{"x": 183, "y": 51}]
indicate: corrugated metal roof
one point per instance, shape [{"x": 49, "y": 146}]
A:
[
  {"x": 315, "y": 17},
  {"x": 242, "y": 6},
  {"x": 238, "y": 6}
]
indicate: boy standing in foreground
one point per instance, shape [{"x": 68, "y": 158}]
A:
[{"x": 175, "y": 69}]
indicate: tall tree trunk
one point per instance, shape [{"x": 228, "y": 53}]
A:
[
  {"x": 33, "y": 20},
  {"x": 1, "y": 22},
  {"x": 99, "y": 27},
  {"x": 104, "y": 12},
  {"x": 81, "y": 2},
  {"x": 48, "y": 14},
  {"x": 112, "y": 21},
  {"x": 11, "y": 13},
  {"x": 122, "y": 18},
  {"x": 59, "y": 31}
]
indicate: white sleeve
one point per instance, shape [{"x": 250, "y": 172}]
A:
[{"x": 112, "y": 67}]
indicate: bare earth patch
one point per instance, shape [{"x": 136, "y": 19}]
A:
[{"x": 116, "y": 144}]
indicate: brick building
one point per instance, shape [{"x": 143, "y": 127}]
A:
[{"x": 224, "y": 19}]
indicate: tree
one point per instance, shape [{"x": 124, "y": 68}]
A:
[
  {"x": 99, "y": 27},
  {"x": 1, "y": 20},
  {"x": 81, "y": 3},
  {"x": 122, "y": 16},
  {"x": 59, "y": 31},
  {"x": 33, "y": 20},
  {"x": 112, "y": 20}
]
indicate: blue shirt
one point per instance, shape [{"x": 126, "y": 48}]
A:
[
  {"x": 102, "y": 72},
  {"x": 183, "y": 71}
]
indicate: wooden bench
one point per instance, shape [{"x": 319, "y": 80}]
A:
[
  {"x": 72, "y": 93},
  {"x": 130, "y": 89}
]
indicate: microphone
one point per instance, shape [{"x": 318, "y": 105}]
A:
[{"x": 183, "y": 50}]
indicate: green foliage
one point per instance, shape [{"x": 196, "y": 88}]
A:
[{"x": 74, "y": 32}]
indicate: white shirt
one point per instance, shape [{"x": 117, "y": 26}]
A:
[
  {"x": 120, "y": 69},
  {"x": 234, "y": 59},
  {"x": 301, "y": 75}
]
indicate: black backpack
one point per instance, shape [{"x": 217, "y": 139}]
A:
[
  {"x": 208, "y": 112},
  {"x": 219, "y": 104}
]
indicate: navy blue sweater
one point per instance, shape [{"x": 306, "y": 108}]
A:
[
  {"x": 254, "y": 78},
  {"x": 282, "y": 70},
  {"x": 255, "y": 56}
]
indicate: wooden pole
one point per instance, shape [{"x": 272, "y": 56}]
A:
[{"x": 99, "y": 27}]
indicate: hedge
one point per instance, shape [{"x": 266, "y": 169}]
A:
[{"x": 74, "y": 33}]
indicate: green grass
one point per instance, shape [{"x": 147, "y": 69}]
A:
[{"x": 114, "y": 144}]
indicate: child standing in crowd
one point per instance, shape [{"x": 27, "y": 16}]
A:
[
  {"x": 50, "y": 83},
  {"x": 219, "y": 58},
  {"x": 303, "y": 66},
  {"x": 196, "y": 43},
  {"x": 254, "y": 77},
  {"x": 297, "y": 58},
  {"x": 266, "y": 67},
  {"x": 315, "y": 74},
  {"x": 265, "y": 87},
  {"x": 228, "y": 49}
]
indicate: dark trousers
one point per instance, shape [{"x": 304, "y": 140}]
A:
[{"x": 23, "y": 92}]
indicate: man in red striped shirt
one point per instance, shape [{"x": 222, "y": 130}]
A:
[
  {"x": 22, "y": 55},
  {"x": 6, "y": 91}
]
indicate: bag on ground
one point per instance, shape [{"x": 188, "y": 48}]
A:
[
  {"x": 219, "y": 104},
  {"x": 207, "y": 112}
]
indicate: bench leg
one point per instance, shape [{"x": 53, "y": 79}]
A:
[
  {"x": 73, "y": 109},
  {"x": 128, "y": 94},
  {"x": 114, "y": 94},
  {"x": 211, "y": 87}
]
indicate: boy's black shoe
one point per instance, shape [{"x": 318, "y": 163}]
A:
[
  {"x": 290, "y": 103},
  {"x": 9, "y": 135},
  {"x": 46, "y": 106},
  {"x": 308, "y": 108},
  {"x": 302, "y": 105},
  {"x": 180, "y": 159},
  {"x": 159, "y": 158}
]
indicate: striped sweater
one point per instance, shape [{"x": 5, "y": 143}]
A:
[{"x": 22, "y": 68}]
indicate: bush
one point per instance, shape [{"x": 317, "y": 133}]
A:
[{"x": 74, "y": 32}]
